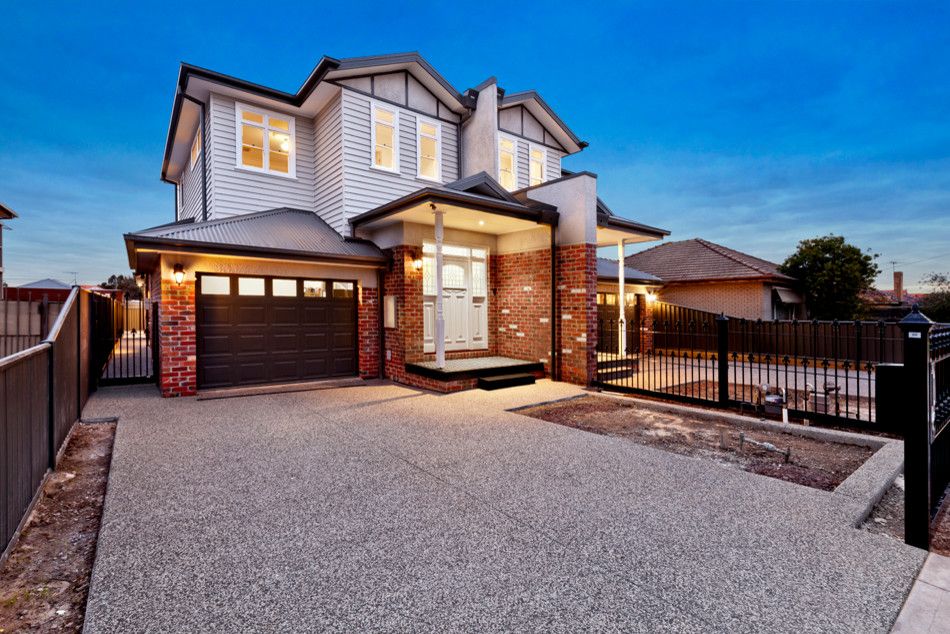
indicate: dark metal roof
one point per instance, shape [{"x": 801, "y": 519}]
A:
[
  {"x": 534, "y": 212},
  {"x": 284, "y": 231},
  {"x": 607, "y": 270},
  {"x": 482, "y": 183}
]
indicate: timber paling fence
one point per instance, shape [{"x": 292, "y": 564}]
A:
[
  {"x": 820, "y": 370},
  {"x": 42, "y": 392}
]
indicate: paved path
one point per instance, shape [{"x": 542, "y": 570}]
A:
[{"x": 384, "y": 508}]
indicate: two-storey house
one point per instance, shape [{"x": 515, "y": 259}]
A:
[{"x": 377, "y": 222}]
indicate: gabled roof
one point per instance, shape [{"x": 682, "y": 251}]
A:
[
  {"x": 6, "y": 213},
  {"x": 483, "y": 184},
  {"x": 607, "y": 270},
  {"x": 541, "y": 111},
  {"x": 282, "y": 232},
  {"x": 699, "y": 260},
  {"x": 47, "y": 283}
]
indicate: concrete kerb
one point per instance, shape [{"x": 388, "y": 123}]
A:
[{"x": 865, "y": 487}]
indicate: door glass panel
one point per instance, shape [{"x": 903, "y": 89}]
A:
[
  {"x": 453, "y": 275},
  {"x": 478, "y": 279},
  {"x": 285, "y": 288},
  {"x": 253, "y": 286},
  {"x": 215, "y": 285},
  {"x": 343, "y": 289},
  {"x": 314, "y": 288}
]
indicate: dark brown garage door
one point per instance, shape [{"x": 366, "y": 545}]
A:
[{"x": 255, "y": 329}]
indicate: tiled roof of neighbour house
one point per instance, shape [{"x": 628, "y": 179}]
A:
[
  {"x": 282, "y": 231},
  {"x": 699, "y": 260},
  {"x": 6, "y": 213},
  {"x": 607, "y": 270}
]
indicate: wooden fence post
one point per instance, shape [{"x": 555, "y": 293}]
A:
[
  {"x": 918, "y": 435},
  {"x": 722, "y": 347}
]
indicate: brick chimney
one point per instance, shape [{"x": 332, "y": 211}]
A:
[{"x": 899, "y": 286}]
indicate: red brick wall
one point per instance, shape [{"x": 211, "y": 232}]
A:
[
  {"x": 178, "y": 371},
  {"x": 368, "y": 332},
  {"x": 577, "y": 309},
  {"x": 521, "y": 304}
]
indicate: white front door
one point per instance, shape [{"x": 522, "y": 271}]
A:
[{"x": 464, "y": 305}]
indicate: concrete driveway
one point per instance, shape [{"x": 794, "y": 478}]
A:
[{"x": 384, "y": 508}]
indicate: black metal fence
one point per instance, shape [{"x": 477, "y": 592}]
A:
[
  {"x": 815, "y": 369},
  {"x": 129, "y": 323},
  {"x": 42, "y": 392},
  {"x": 925, "y": 385}
]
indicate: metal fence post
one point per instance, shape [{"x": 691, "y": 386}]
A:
[
  {"x": 915, "y": 330},
  {"x": 722, "y": 353}
]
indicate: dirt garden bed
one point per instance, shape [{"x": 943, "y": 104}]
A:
[
  {"x": 819, "y": 464},
  {"x": 887, "y": 518},
  {"x": 45, "y": 581}
]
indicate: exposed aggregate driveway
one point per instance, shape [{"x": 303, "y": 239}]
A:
[{"x": 385, "y": 508}]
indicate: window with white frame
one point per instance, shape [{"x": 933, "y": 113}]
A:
[
  {"x": 429, "y": 149},
  {"x": 536, "y": 160},
  {"x": 266, "y": 141},
  {"x": 385, "y": 133},
  {"x": 196, "y": 148},
  {"x": 507, "y": 161}
]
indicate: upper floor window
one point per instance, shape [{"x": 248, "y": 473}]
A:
[
  {"x": 429, "y": 146},
  {"x": 385, "y": 132},
  {"x": 506, "y": 163},
  {"x": 266, "y": 141},
  {"x": 196, "y": 148},
  {"x": 536, "y": 162}
]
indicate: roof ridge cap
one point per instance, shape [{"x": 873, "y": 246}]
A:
[{"x": 726, "y": 253}]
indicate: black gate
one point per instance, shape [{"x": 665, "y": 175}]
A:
[{"x": 131, "y": 325}]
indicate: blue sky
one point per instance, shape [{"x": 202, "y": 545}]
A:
[{"x": 750, "y": 124}]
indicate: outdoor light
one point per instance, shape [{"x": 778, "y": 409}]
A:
[
  {"x": 651, "y": 297},
  {"x": 140, "y": 281},
  {"x": 481, "y": 223},
  {"x": 417, "y": 264},
  {"x": 179, "y": 273}
]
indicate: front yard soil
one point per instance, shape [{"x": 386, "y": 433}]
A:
[
  {"x": 815, "y": 463},
  {"x": 887, "y": 518},
  {"x": 45, "y": 581}
]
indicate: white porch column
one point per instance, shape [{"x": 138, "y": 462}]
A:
[
  {"x": 439, "y": 317},
  {"x": 621, "y": 300}
]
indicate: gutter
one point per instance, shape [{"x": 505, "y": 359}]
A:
[{"x": 204, "y": 159}]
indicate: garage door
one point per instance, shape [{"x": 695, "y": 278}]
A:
[{"x": 253, "y": 330}]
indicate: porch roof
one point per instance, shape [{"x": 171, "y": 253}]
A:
[
  {"x": 476, "y": 203},
  {"x": 607, "y": 271}
]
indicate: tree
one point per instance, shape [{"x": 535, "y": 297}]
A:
[
  {"x": 125, "y": 283},
  {"x": 936, "y": 304},
  {"x": 834, "y": 274}
]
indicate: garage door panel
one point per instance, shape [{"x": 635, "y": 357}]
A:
[{"x": 244, "y": 339}]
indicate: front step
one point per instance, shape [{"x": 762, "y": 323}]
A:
[{"x": 505, "y": 380}]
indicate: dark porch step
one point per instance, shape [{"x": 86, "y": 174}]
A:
[
  {"x": 505, "y": 380},
  {"x": 618, "y": 364}
]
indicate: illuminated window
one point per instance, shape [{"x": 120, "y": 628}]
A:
[
  {"x": 215, "y": 285},
  {"x": 429, "y": 144},
  {"x": 314, "y": 288},
  {"x": 536, "y": 165},
  {"x": 343, "y": 289},
  {"x": 196, "y": 148},
  {"x": 285, "y": 288},
  {"x": 267, "y": 141},
  {"x": 506, "y": 163},
  {"x": 385, "y": 132},
  {"x": 253, "y": 286}
]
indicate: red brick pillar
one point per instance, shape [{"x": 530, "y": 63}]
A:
[
  {"x": 176, "y": 329},
  {"x": 577, "y": 308},
  {"x": 404, "y": 342},
  {"x": 645, "y": 309},
  {"x": 368, "y": 332}
]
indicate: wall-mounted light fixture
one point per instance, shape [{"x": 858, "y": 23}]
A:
[
  {"x": 140, "y": 280},
  {"x": 179, "y": 272},
  {"x": 651, "y": 297},
  {"x": 417, "y": 264}
]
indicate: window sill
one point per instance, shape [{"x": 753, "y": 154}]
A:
[
  {"x": 437, "y": 181},
  {"x": 251, "y": 170},
  {"x": 385, "y": 170}
]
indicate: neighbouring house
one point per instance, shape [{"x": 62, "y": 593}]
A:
[
  {"x": 707, "y": 276},
  {"x": 310, "y": 227},
  {"x": 5, "y": 214},
  {"x": 53, "y": 290}
]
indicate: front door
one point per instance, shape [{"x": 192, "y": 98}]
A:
[{"x": 464, "y": 301}]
